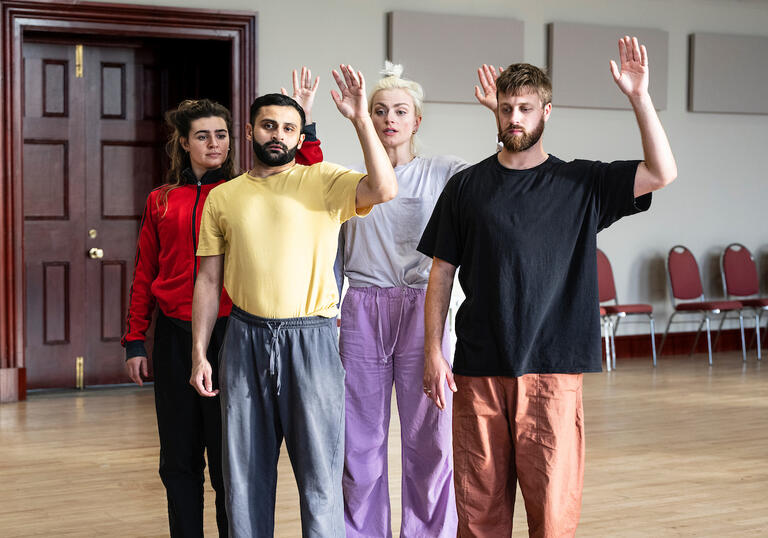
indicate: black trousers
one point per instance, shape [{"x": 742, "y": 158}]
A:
[{"x": 188, "y": 424}]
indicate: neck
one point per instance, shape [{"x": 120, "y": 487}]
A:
[
  {"x": 262, "y": 170},
  {"x": 522, "y": 160},
  {"x": 400, "y": 155},
  {"x": 199, "y": 171}
]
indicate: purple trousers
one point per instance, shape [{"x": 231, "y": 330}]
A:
[{"x": 382, "y": 342}]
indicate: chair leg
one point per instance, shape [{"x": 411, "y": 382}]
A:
[
  {"x": 720, "y": 329},
  {"x": 757, "y": 335},
  {"x": 698, "y": 333},
  {"x": 743, "y": 344},
  {"x": 653, "y": 341},
  {"x": 613, "y": 341},
  {"x": 709, "y": 339},
  {"x": 607, "y": 330},
  {"x": 666, "y": 332}
]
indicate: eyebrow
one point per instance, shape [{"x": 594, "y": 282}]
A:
[
  {"x": 395, "y": 105},
  {"x": 207, "y": 131}
]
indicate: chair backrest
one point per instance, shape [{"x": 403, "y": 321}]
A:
[
  {"x": 684, "y": 276},
  {"x": 739, "y": 271},
  {"x": 605, "y": 283}
]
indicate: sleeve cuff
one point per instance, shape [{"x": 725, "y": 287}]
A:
[
  {"x": 135, "y": 348},
  {"x": 310, "y": 132}
]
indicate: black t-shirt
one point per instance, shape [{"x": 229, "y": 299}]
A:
[{"x": 524, "y": 242}]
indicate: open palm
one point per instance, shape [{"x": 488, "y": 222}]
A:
[
  {"x": 632, "y": 78},
  {"x": 350, "y": 99}
]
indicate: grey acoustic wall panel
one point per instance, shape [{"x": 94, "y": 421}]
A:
[
  {"x": 728, "y": 73},
  {"x": 443, "y": 52},
  {"x": 578, "y": 61}
]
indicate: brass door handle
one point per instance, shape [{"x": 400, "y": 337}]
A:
[{"x": 95, "y": 253}]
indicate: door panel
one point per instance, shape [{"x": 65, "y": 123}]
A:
[{"x": 54, "y": 215}]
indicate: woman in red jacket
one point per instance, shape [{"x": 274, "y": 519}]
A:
[{"x": 164, "y": 277}]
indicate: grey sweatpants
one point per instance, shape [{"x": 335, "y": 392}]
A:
[{"x": 282, "y": 378}]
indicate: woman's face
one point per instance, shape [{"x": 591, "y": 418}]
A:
[
  {"x": 207, "y": 143},
  {"x": 394, "y": 117}
]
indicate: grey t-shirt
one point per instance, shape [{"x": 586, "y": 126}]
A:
[{"x": 380, "y": 250}]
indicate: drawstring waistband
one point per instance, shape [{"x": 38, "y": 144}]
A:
[
  {"x": 276, "y": 326},
  {"x": 404, "y": 294}
]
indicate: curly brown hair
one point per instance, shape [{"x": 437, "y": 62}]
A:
[
  {"x": 519, "y": 77},
  {"x": 179, "y": 122}
]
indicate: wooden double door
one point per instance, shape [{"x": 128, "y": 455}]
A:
[
  {"x": 92, "y": 152},
  {"x": 93, "y": 149}
]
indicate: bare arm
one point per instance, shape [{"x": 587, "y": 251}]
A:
[
  {"x": 380, "y": 185},
  {"x": 658, "y": 168},
  {"x": 205, "y": 308},
  {"x": 437, "y": 370}
]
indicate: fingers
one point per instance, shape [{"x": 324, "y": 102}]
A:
[
  {"x": 622, "y": 50},
  {"x": 339, "y": 81},
  {"x": 144, "y": 370},
  {"x": 202, "y": 381},
  {"x": 282, "y": 90},
  {"x": 295, "y": 80},
  {"x": 615, "y": 71},
  {"x": 450, "y": 380},
  {"x": 479, "y": 96},
  {"x": 336, "y": 97},
  {"x": 314, "y": 86},
  {"x": 643, "y": 56},
  {"x": 635, "y": 49},
  {"x": 134, "y": 367}
]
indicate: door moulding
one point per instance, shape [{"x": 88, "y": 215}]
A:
[{"x": 92, "y": 19}]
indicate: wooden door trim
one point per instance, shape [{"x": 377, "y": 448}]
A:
[{"x": 93, "y": 19}]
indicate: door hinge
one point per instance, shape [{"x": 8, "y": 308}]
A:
[{"x": 78, "y": 61}]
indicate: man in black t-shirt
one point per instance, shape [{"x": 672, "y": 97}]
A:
[{"x": 521, "y": 227}]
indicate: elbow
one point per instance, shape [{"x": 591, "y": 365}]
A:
[
  {"x": 668, "y": 176},
  {"x": 389, "y": 191}
]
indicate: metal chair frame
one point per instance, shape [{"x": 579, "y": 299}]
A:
[
  {"x": 616, "y": 318},
  {"x": 705, "y": 313},
  {"x": 758, "y": 311},
  {"x": 610, "y": 343}
]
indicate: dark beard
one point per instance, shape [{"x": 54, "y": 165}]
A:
[
  {"x": 271, "y": 158},
  {"x": 516, "y": 144}
]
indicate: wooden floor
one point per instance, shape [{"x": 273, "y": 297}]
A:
[{"x": 681, "y": 450}]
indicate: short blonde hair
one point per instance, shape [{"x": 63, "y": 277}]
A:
[{"x": 392, "y": 80}]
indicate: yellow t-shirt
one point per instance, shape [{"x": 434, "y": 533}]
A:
[{"x": 279, "y": 236}]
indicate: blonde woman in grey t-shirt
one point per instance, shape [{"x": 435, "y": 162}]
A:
[{"x": 382, "y": 331}]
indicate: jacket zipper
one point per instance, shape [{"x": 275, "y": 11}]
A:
[{"x": 194, "y": 233}]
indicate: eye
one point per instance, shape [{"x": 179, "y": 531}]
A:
[
  {"x": 268, "y": 125},
  {"x": 221, "y": 136},
  {"x": 401, "y": 112},
  {"x": 379, "y": 111},
  {"x": 289, "y": 129},
  {"x": 526, "y": 108},
  {"x": 201, "y": 137}
]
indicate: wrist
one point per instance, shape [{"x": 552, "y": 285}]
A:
[
  {"x": 641, "y": 100},
  {"x": 361, "y": 122}
]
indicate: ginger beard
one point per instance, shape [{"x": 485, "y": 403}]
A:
[
  {"x": 270, "y": 157},
  {"x": 515, "y": 143}
]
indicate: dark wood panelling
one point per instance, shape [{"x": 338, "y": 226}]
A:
[
  {"x": 129, "y": 170},
  {"x": 55, "y": 88},
  {"x": 154, "y": 82},
  {"x": 56, "y": 303},
  {"x": 112, "y": 91},
  {"x": 47, "y": 197},
  {"x": 113, "y": 286},
  {"x": 236, "y": 80}
]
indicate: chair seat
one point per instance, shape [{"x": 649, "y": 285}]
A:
[
  {"x": 709, "y": 305},
  {"x": 759, "y": 302},
  {"x": 629, "y": 308}
]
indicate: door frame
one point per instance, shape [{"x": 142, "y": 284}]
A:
[{"x": 93, "y": 19}]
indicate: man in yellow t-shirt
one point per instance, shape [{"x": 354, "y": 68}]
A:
[{"x": 270, "y": 237}]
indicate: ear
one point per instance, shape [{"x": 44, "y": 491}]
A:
[
  {"x": 248, "y": 131},
  {"x": 418, "y": 124},
  {"x": 184, "y": 143},
  {"x": 301, "y": 141},
  {"x": 547, "y": 111}
]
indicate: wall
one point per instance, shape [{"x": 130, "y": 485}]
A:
[{"x": 720, "y": 193}]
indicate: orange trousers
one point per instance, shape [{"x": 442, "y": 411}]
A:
[{"x": 528, "y": 429}]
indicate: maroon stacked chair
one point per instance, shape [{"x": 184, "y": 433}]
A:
[
  {"x": 688, "y": 298},
  {"x": 617, "y": 311},
  {"x": 740, "y": 281}
]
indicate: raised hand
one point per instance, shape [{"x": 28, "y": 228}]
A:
[
  {"x": 487, "y": 77},
  {"x": 632, "y": 78},
  {"x": 304, "y": 90},
  {"x": 350, "y": 100}
]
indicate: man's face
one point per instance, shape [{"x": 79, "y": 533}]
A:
[
  {"x": 521, "y": 120},
  {"x": 275, "y": 134}
]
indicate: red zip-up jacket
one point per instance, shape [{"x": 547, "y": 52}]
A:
[{"x": 166, "y": 264}]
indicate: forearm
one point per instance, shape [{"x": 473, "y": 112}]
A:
[
  {"x": 657, "y": 153},
  {"x": 436, "y": 305},
  {"x": 205, "y": 309},
  {"x": 380, "y": 184}
]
